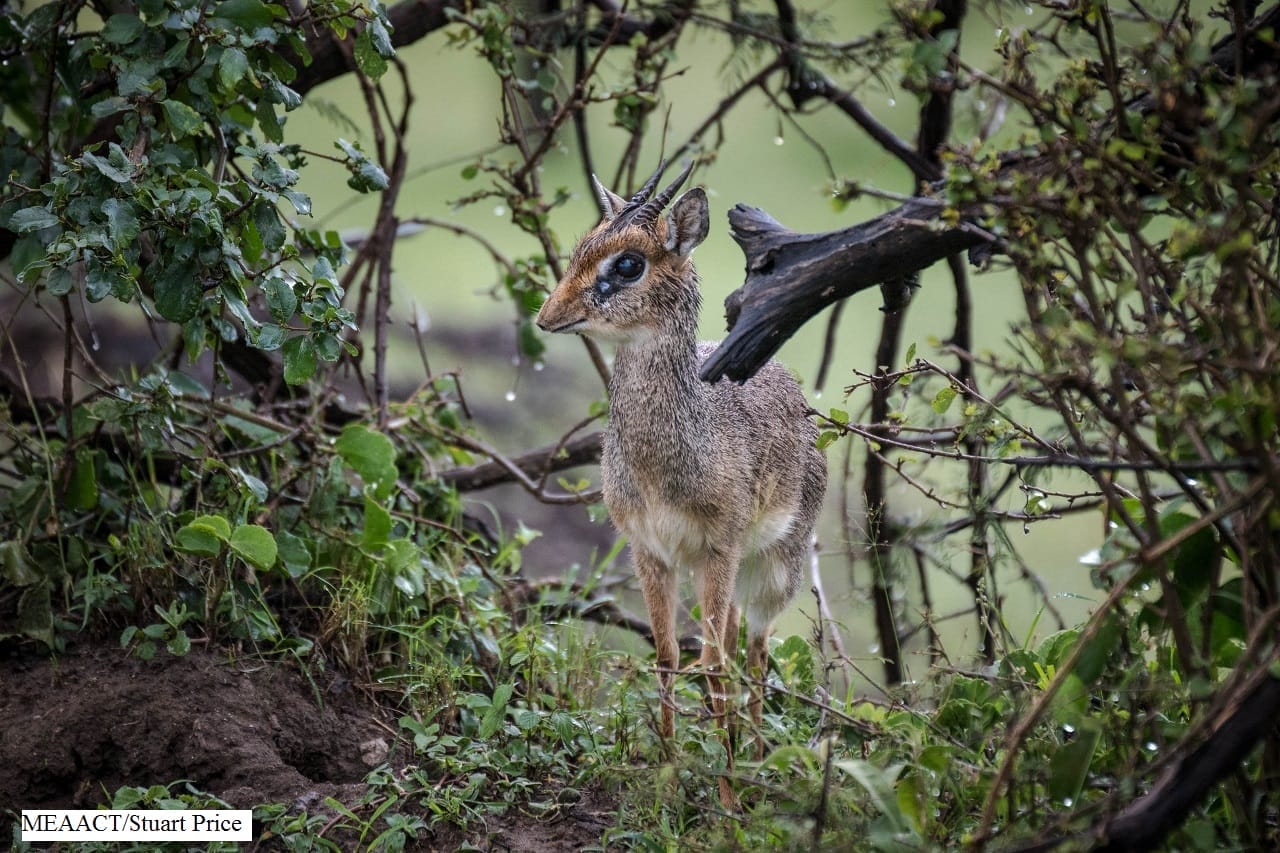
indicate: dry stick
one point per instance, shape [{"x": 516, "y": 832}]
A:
[
  {"x": 830, "y": 627},
  {"x": 829, "y": 345},
  {"x": 536, "y": 463},
  {"x": 387, "y": 227},
  {"x": 934, "y": 641},
  {"x": 382, "y": 319},
  {"x": 559, "y": 453},
  {"x": 727, "y": 103},
  {"x": 1146, "y": 556},
  {"x": 518, "y": 473},
  {"x": 68, "y": 354}
]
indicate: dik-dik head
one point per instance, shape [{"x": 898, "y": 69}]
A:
[{"x": 632, "y": 275}]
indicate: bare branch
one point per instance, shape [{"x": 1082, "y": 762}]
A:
[{"x": 527, "y": 468}]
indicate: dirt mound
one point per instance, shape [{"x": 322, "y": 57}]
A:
[{"x": 75, "y": 729}]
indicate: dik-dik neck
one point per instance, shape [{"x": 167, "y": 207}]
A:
[{"x": 658, "y": 407}]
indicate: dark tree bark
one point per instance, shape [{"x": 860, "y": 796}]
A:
[{"x": 791, "y": 276}]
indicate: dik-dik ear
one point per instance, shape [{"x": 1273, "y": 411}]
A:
[
  {"x": 610, "y": 202},
  {"x": 688, "y": 222}
]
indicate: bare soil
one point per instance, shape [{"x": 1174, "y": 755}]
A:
[{"x": 76, "y": 728}]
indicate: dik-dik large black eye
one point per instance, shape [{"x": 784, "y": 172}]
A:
[{"x": 627, "y": 267}]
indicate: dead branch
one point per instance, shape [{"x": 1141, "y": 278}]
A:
[{"x": 536, "y": 463}]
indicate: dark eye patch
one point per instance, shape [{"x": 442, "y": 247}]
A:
[{"x": 623, "y": 270}]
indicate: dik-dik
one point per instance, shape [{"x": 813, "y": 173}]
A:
[{"x": 721, "y": 479}]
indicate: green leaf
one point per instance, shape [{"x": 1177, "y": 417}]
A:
[
  {"x": 122, "y": 29},
  {"x": 268, "y": 121},
  {"x": 1195, "y": 559},
  {"x": 178, "y": 293},
  {"x": 122, "y": 220},
  {"x": 377, "y": 524},
  {"x": 880, "y": 785},
  {"x": 299, "y": 360},
  {"x": 197, "y": 540},
  {"x": 825, "y": 439},
  {"x": 1071, "y": 703},
  {"x": 183, "y": 120},
  {"x": 293, "y": 553},
  {"x": 28, "y": 257},
  {"x": 381, "y": 38},
  {"x": 249, "y": 15},
  {"x": 117, "y": 168},
  {"x": 281, "y": 300},
  {"x": 301, "y": 201},
  {"x": 32, "y": 219},
  {"x": 15, "y": 567},
  {"x": 255, "y": 544},
  {"x": 267, "y": 219},
  {"x": 370, "y": 454},
  {"x": 214, "y": 524},
  {"x": 497, "y": 711},
  {"x": 179, "y": 645},
  {"x": 368, "y": 60},
  {"x": 1094, "y": 656},
  {"x": 35, "y": 613},
  {"x": 1069, "y": 766},
  {"x": 110, "y": 106},
  {"x": 942, "y": 400},
  {"x": 59, "y": 282},
  {"x": 82, "y": 489},
  {"x": 269, "y": 337},
  {"x": 233, "y": 66}
]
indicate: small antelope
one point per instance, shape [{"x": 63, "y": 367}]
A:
[{"x": 721, "y": 479}]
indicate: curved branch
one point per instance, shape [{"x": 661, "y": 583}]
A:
[{"x": 792, "y": 276}]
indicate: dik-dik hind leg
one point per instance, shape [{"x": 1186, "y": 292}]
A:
[
  {"x": 658, "y": 583},
  {"x": 715, "y": 598},
  {"x": 757, "y": 671}
]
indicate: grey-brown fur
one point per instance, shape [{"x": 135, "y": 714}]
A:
[{"x": 723, "y": 480}]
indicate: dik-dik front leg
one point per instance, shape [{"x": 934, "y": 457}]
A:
[{"x": 658, "y": 582}]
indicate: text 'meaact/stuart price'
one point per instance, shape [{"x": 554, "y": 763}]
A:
[{"x": 140, "y": 825}]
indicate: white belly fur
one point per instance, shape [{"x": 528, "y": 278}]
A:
[{"x": 680, "y": 540}]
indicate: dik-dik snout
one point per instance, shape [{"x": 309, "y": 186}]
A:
[{"x": 631, "y": 274}]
